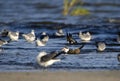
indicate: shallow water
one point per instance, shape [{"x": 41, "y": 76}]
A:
[{"x": 45, "y": 15}]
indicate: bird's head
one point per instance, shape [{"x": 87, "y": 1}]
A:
[{"x": 65, "y": 49}]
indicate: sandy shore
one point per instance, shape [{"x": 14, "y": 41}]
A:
[{"x": 61, "y": 76}]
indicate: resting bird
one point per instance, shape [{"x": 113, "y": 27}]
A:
[
  {"x": 70, "y": 39},
  {"x": 118, "y": 57},
  {"x": 59, "y": 33},
  {"x": 118, "y": 38},
  {"x": 85, "y": 36},
  {"x": 67, "y": 50},
  {"x": 44, "y": 37},
  {"x": 4, "y": 33},
  {"x": 40, "y": 42},
  {"x": 2, "y": 42},
  {"x": 14, "y": 36},
  {"x": 100, "y": 46},
  {"x": 45, "y": 60},
  {"x": 30, "y": 37}
]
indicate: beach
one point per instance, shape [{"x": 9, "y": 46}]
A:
[{"x": 61, "y": 76}]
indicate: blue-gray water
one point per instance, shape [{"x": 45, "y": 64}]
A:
[{"x": 45, "y": 15}]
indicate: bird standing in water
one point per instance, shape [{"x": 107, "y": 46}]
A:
[
  {"x": 44, "y": 37},
  {"x": 30, "y": 37},
  {"x": 45, "y": 60},
  {"x": 70, "y": 39},
  {"x": 14, "y": 36},
  {"x": 2, "y": 42},
  {"x": 67, "y": 50},
  {"x": 100, "y": 46}
]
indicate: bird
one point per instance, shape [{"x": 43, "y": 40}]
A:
[
  {"x": 67, "y": 50},
  {"x": 85, "y": 36},
  {"x": 3, "y": 42},
  {"x": 40, "y": 42},
  {"x": 42, "y": 34},
  {"x": 100, "y": 46},
  {"x": 118, "y": 57},
  {"x": 14, "y": 36},
  {"x": 70, "y": 39},
  {"x": 4, "y": 33},
  {"x": 59, "y": 33},
  {"x": 118, "y": 38},
  {"x": 44, "y": 37},
  {"x": 30, "y": 37},
  {"x": 44, "y": 59}
]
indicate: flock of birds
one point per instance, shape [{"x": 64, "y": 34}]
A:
[{"x": 44, "y": 59}]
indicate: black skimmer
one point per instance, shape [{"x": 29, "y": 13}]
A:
[
  {"x": 44, "y": 37},
  {"x": 4, "y": 33},
  {"x": 67, "y": 50},
  {"x": 46, "y": 60},
  {"x": 118, "y": 38},
  {"x": 70, "y": 39}
]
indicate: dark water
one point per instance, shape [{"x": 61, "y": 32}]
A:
[{"x": 45, "y": 15}]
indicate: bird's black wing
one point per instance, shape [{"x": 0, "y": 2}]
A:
[
  {"x": 48, "y": 56},
  {"x": 81, "y": 46},
  {"x": 58, "y": 54}
]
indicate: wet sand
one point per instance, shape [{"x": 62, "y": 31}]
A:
[{"x": 61, "y": 76}]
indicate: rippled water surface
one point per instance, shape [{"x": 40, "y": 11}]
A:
[{"x": 45, "y": 15}]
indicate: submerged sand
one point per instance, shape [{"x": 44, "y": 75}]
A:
[{"x": 61, "y": 76}]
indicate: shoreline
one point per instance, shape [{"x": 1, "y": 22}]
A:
[{"x": 61, "y": 75}]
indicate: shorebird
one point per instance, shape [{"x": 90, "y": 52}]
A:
[
  {"x": 100, "y": 46},
  {"x": 85, "y": 36},
  {"x": 44, "y": 37},
  {"x": 45, "y": 60},
  {"x": 70, "y": 39},
  {"x": 2, "y": 42},
  {"x": 30, "y": 37},
  {"x": 14, "y": 36},
  {"x": 59, "y": 33},
  {"x": 40, "y": 42},
  {"x": 4, "y": 33},
  {"x": 118, "y": 57},
  {"x": 118, "y": 38},
  {"x": 67, "y": 50}
]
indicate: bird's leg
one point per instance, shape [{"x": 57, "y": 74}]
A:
[{"x": 45, "y": 68}]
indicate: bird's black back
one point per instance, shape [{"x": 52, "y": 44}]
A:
[{"x": 48, "y": 56}]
